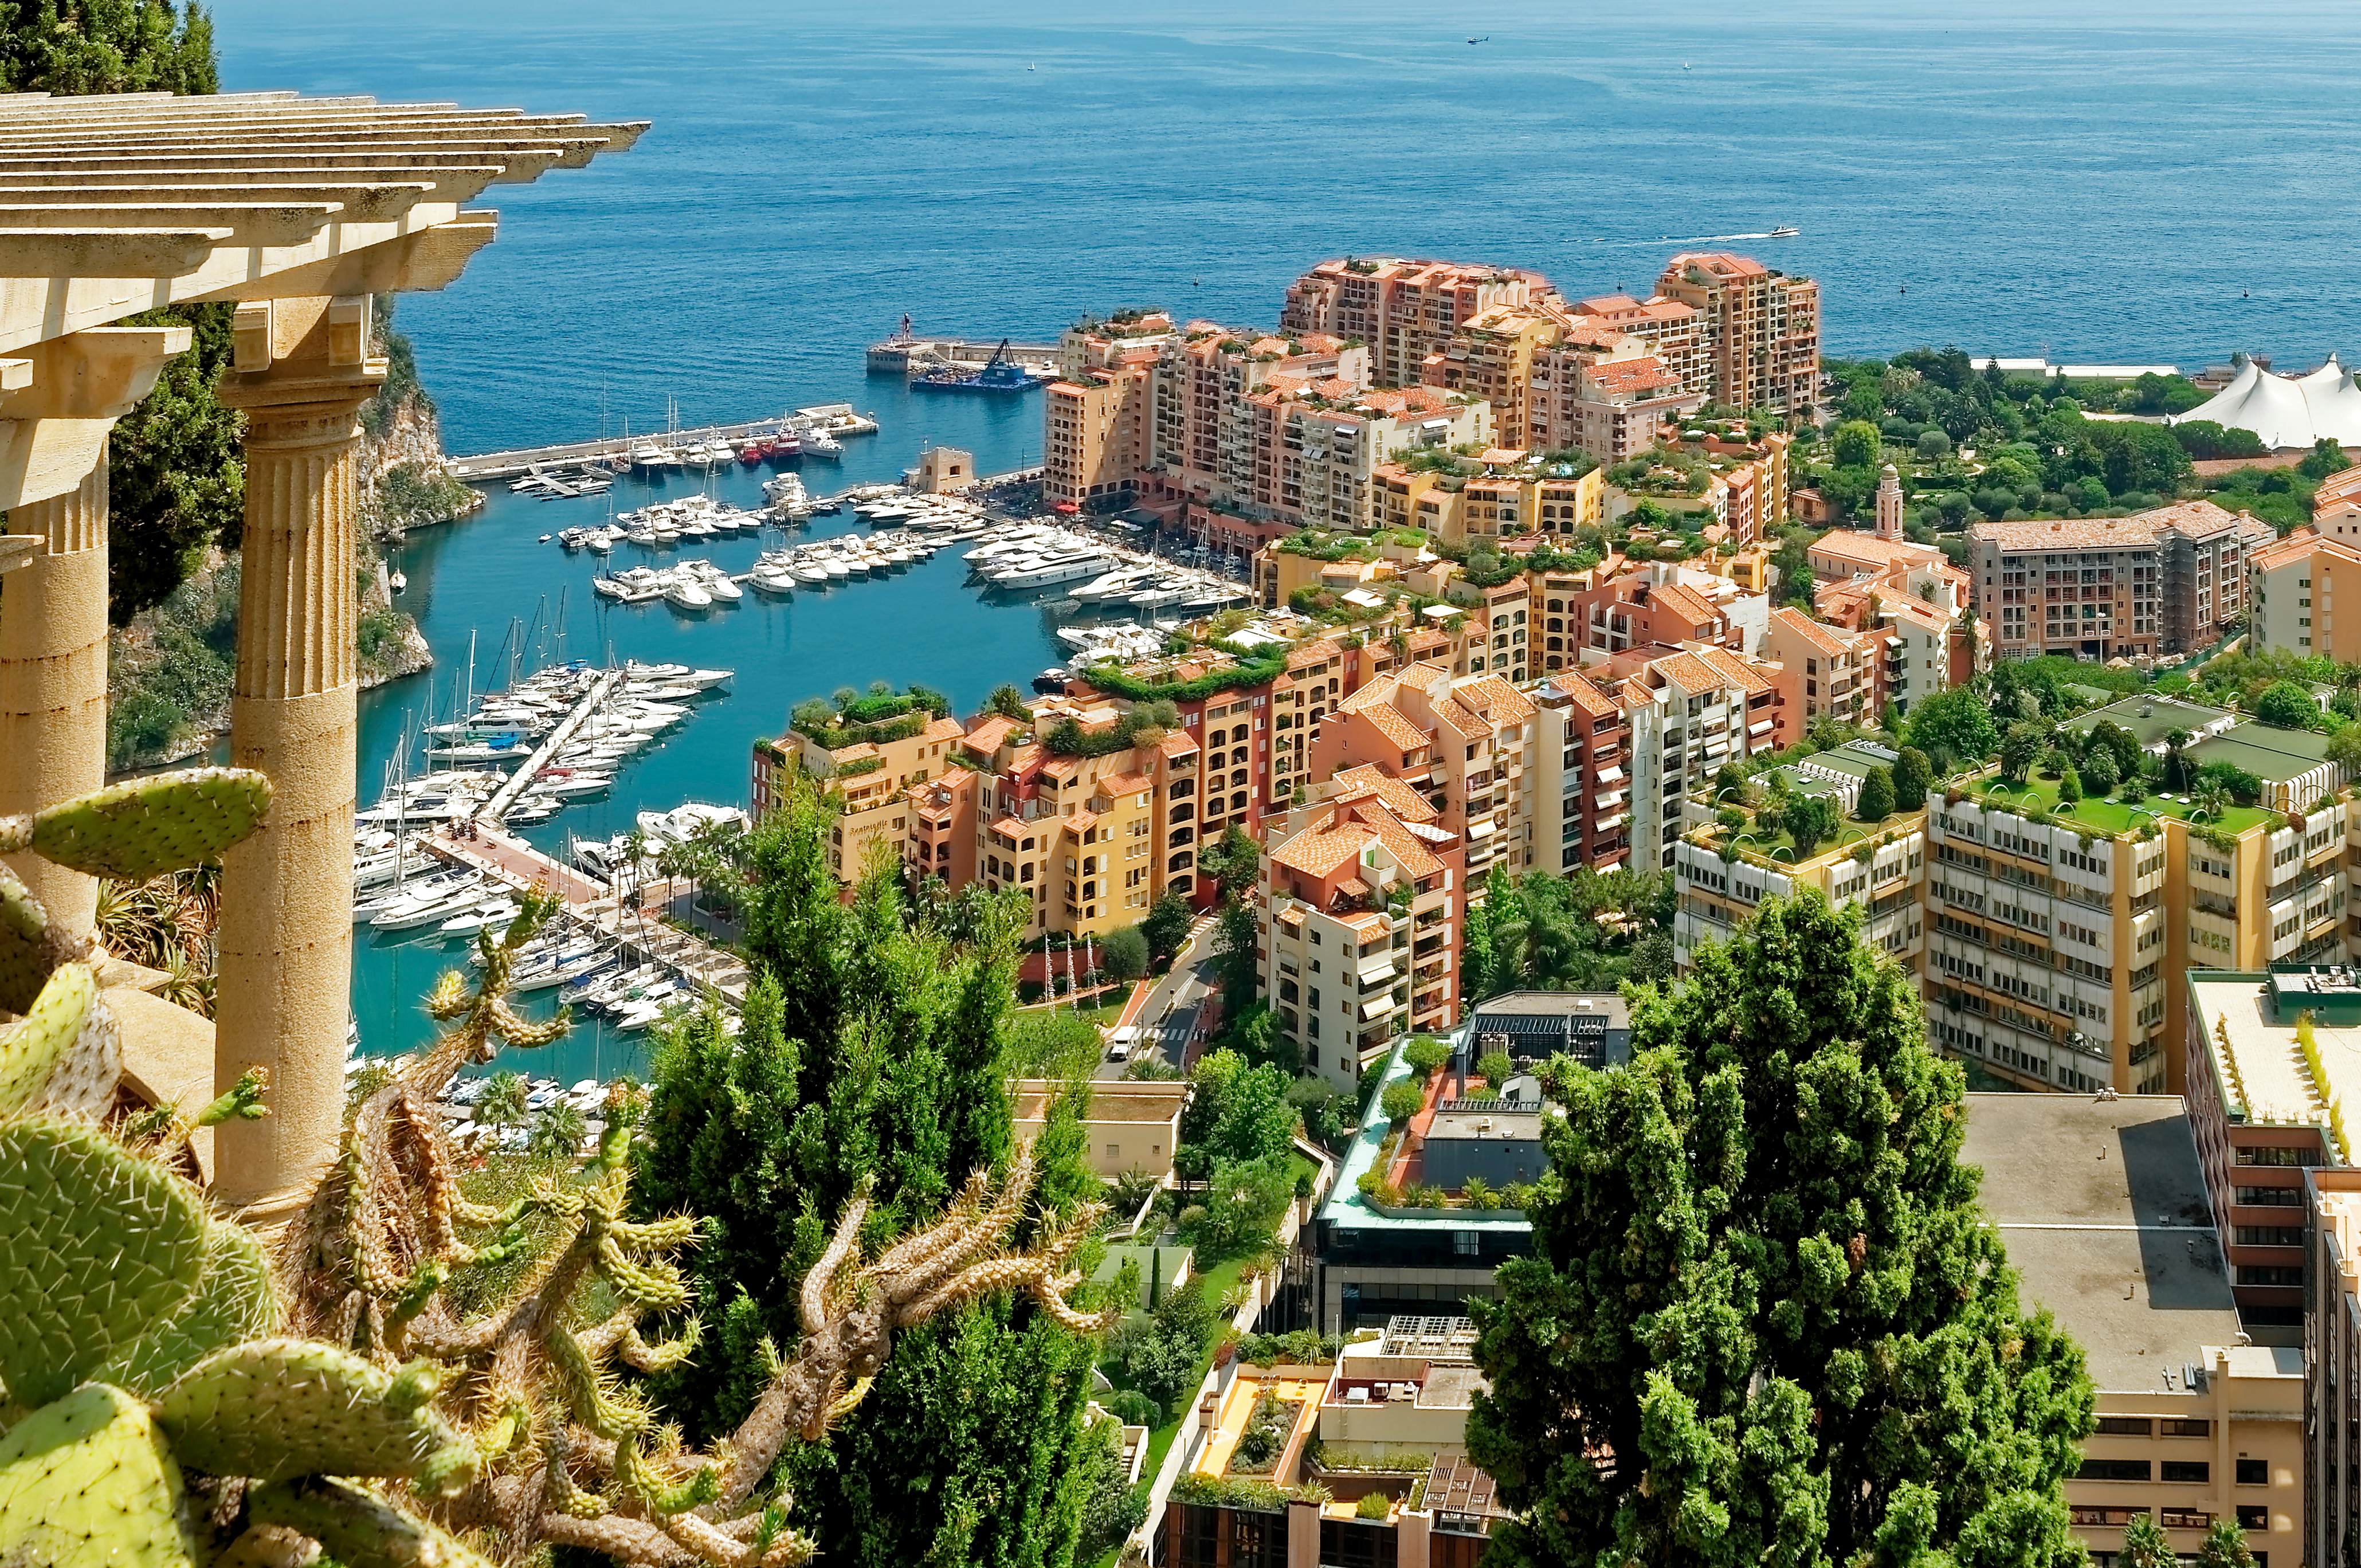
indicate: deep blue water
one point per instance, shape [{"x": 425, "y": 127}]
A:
[{"x": 2163, "y": 180}]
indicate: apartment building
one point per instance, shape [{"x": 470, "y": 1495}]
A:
[
  {"x": 1309, "y": 453},
  {"x": 1689, "y": 713},
  {"x": 1465, "y": 742},
  {"x": 2165, "y": 581},
  {"x": 2266, "y": 1109},
  {"x": 1095, "y": 434},
  {"x": 2331, "y": 1422},
  {"x": 1361, "y": 913},
  {"x": 1758, "y": 330},
  {"x": 2102, "y": 1204},
  {"x": 1612, "y": 408},
  {"x": 1126, "y": 335},
  {"x": 868, "y": 769},
  {"x": 1582, "y": 775},
  {"x": 1491, "y": 358},
  {"x": 1721, "y": 878},
  {"x": 1403, "y": 310},
  {"x": 2292, "y": 592},
  {"x": 1657, "y": 604},
  {"x": 1826, "y": 671},
  {"x": 1671, "y": 331},
  {"x": 1382, "y": 1430}
]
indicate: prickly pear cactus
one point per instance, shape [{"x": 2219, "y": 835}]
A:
[
  {"x": 146, "y": 827},
  {"x": 89, "y": 1479},
  {"x": 96, "y": 1245},
  {"x": 276, "y": 1409},
  {"x": 235, "y": 1300},
  {"x": 65, "y": 1056}
]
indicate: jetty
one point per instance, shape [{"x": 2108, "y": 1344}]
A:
[
  {"x": 641, "y": 935},
  {"x": 496, "y": 809},
  {"x": 610, "y": 452},
  {"x": 906, "y": 354}
]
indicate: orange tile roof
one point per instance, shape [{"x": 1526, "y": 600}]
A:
[
  {"x": 1417, "y": 860},
  {"x": 1320, "y": 851},
  {"x": 1852, "y": 545},
  {"x": 1644, "y": 374},
  {"x": 1684, "y": 601},
  {"x": 1398, "y": 797},
  {"x": 1124, "y": 783},
  {"x": 944, "y": 728},
  {"x": 1496, "y": 699},
  {"x": 1395, "y": 727},
  {"x": 1720, "y": 263},
  {"x": 2132, "y": 532},
  {"x": 1177, "y": 743},
  {"x": 989, "y": 735},
  {"x": 1584, "y": 693},
  {"x": 1736, "y": 669},
  {"x": 1079, "y": 821},
  {"x": 2295, "y": 546},
  {"x": 1819, "y": 637}
]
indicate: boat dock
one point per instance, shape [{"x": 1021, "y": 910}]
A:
[
  {"x": 608, "y": 451},
  {"x": 629, "y": 923},
  {"x": 903, "y": 355},
  {"x": 496, "y": 809}
]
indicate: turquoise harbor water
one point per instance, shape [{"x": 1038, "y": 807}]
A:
[{"x": 2164, "y": 179}]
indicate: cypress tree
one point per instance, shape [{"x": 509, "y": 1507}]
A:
[
  {"x": 870, "y": 1050},
  {"x": 1763, "y": 1320}
]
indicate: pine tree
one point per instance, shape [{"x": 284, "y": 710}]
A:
[
  {"x": 1876, "y": 800},
  {"x": 1764, "y": 1320},
  {"x": 870, "y": 1049}
]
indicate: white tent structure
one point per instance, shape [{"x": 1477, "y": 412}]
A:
[{"x": 2286, "y": 411}]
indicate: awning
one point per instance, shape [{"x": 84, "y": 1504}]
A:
[
  {"x": 1610, "y": 772},
  {"x": 1758, "y": 727},
  {"x": 1482, "y": 828},
  {"x": 1375, "y": 1005},
  {"x": 1374, "y": 968}
]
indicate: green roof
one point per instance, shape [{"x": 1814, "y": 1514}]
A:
[
  {"x": 2151, "y": 719},
  {"x": 2274, "y": 756}
]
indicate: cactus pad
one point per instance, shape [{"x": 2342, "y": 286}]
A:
[
  {"x": 87, "y": 1482},
  {"x": 146, "y": 827},
  {"x": 355, "y": 1528},
  {"x": 278, "y": 1408},
  {"x": 40, "y": 1065},
  {"x": 234, "y": 1301},
  {"x": 27, "y": 954},
  {"x": 96, "y": 1245}
]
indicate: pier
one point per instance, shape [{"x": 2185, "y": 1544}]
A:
[
  {"x": 642, "y": 936},
  {"x": 496, "y": 809},
  {"x": 613, "y": 451}
]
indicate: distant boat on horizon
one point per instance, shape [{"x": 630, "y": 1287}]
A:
[{"x": 1784, "y": 231}]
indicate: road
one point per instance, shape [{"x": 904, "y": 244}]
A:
[{"x": 1170, "y": 1013}]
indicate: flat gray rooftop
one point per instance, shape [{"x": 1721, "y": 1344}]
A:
[
  {"x": 2101, "y": 1205},
  {"x": 2150, "y": 717}
]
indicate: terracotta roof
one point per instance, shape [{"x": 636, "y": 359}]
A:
[
  {"x": 1397, "y": 797},
  {"x": 1124, "y": 783},
  {"x": 2295, "y": 546},
  {"x": 1868, "y": 549},
  {"x": 1417, "y": 860},
  {"x": 989, "y": 735},
  {"x": 1911, "y": 607},
  {"x": 1079, "y": 821},
  {"x": 1684, "y": 601},
  {"x": 1494, "y": 699},
  {"x": 1821, "y": 638},
  {"x": 1395, "y": 727},
  {"x": 944, "y": 728},
  {"x": 2061, "y": 533},
  {"x": 1720, "y": 263},
  {"x": 1320, "y": 851},
  {"x": 1177, "y": 743},
  {"x": 1735, "y": 668},
  {"x": 2193, "y": 519},
  {"x": 1586, "y": 695},
  {"x": 1644, "y": 374},
  {"x": 1314, "y": 652}
]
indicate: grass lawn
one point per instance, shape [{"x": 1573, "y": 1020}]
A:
[{"x": 2112, "y": 816}]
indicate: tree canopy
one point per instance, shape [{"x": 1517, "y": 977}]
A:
[
  {"x": 1955, "y": 724},
  {"x": 871, "y": 1053},
  {"x": 1764, "y": 1320}
]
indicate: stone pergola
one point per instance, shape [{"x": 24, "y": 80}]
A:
[{"x": 299, "y": 210}]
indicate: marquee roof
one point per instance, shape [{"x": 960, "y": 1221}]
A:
[{"x": 2286, "y": 410}]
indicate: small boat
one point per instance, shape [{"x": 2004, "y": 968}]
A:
[
  {"x": 1784, "y": 231},
  {"x": 397, "y": 583}
]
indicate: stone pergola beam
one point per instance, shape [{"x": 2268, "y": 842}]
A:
[
  {"x": 457, "y": 184},
  {"x": 371, "y": 203},
  {"x": 450, "y": 166},
  {"x": 426, "y": 262}
]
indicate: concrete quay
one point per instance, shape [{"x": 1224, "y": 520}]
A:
[{"x": 836, "y": 419}]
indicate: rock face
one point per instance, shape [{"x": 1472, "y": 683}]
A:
[{"x": 169, "y": 683}]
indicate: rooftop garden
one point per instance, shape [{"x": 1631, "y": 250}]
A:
[
  {"x": 1321, "y": 546},
  {"x": 881, "y": 715},
  {"x": 2045, "y": 800},
  {"x": 1147, "y": 723},
  {"x": 1246, "y": 668}
]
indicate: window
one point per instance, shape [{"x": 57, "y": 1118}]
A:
[
  {"x": 2184, "y": 1519},
  {"x": 2195, "y": 1472},
  {"x": 2188, "y": 1429},
  {"x": 2254, "y": 1473},
  {"x": 2269, "y": 1236},
  {"x": 2252, "y": 1516},
  {"x": 2125, "y": 1426},
  {"x": 2112, "y": 1470}
]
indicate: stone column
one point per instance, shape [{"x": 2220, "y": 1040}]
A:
[
  {"x": 53, "y": 679},
  {"x": 57, "y": 406},
  {"x": 286, "y": 928}
]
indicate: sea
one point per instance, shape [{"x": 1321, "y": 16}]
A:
[{"x": 2094, "y": 180}]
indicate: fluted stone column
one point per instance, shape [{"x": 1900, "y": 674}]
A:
[
  {"x": 53, "y": 679},
  {"x": 286, "y": 928}
]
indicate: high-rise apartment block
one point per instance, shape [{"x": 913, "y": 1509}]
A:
[
  {"x": 1759, "y": 331},
  {"x": 1404, "y": 311}
]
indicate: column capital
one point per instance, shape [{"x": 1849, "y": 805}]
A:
[
  {"x": 301, "y": 368},
  {"x": 60, "y": 399}
]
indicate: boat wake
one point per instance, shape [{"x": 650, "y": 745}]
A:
[{"x": 1701, "y": 238}]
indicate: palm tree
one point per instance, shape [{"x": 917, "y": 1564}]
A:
[
  {"x": 1546, "y": 946},
  {"x": 502, "y": 1105},
  {"x": 558, "y": 1134}
]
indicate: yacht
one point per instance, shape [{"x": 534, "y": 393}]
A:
[
  {"x": 428, "y": 910},
  {"x": 686, "y": 594},
  {"x": 493, "y": 913}
]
